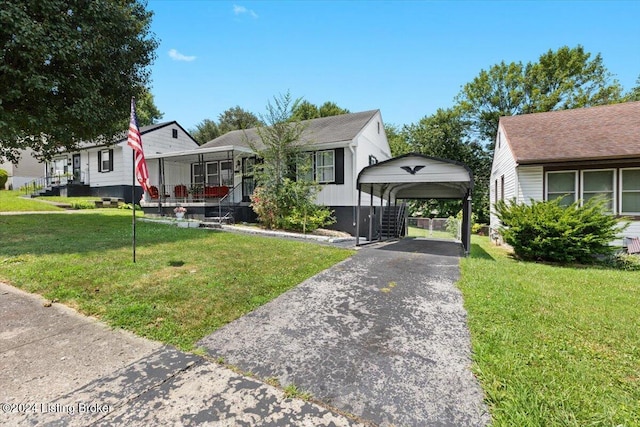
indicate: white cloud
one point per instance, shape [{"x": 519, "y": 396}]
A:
[
  {"x": 177, "y": 56},
  {"x": 239, "y": 10}
]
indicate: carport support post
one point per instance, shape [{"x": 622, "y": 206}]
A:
[
  {"x": 371, "y": 214},
  {"x": 466, "y": 223},
  {"x": 358, "y": 216}
]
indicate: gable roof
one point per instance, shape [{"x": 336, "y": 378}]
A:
[
  {"x": 603, "y": 132},
  {"x": 122, "y": 137},
  {"x": 323, "y": 130}
]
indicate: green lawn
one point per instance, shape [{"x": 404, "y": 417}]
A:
[
  {"x": 421, "y": 232},
  {"x": 186, "y": 282},
  {"x": 553, "y": 345},
  {"x": 10, "y": 201}
]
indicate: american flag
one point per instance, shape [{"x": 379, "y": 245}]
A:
[{"x": 135, "y": 142}]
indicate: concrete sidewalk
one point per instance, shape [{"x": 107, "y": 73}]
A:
[{"x": 60, "y": 368}]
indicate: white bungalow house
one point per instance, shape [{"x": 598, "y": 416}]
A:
[
  {"x": 216, "y": 179},
  {"x": 106, "y": 170},
  {"x": 573, "y": 154}
]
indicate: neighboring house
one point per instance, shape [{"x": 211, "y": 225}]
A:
[
  {"x": 106, "y": 170},
  {"x": 26, "y": 170},
  {"x": 573, "y": 154},
  {"x": 217, "y": 178}
]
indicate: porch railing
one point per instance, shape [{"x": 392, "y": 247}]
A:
[
  {"x": 45, "y": 182},
  {"x": 183, "y": 193}
]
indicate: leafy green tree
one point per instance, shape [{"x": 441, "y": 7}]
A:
[
  {"x": 397, "y": 140},
  {"x": 68, "y": 69},
  {"x": 284, "y": 198},
  {"x": 634, "y": 93},
  {"x": 563, "y": 79},
  {"x": 331, "y": 109},
  {"x": 305, "y": 111},
  {"x": 146, "y": 110},
  {"x": 205, "y": 131},
  {"x": 236, "y": 118}
]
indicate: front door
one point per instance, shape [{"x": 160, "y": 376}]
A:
[{"x": 77, "y": 170}]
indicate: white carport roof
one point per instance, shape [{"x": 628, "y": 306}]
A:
[{"x": 416, "y": 176}]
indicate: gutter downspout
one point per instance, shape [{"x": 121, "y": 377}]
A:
[{"x": 355, "y": 214}]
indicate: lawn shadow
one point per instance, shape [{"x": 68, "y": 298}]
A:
[
  {"x": 478, "y": 252},
  {"x": 84, "y": 233}
]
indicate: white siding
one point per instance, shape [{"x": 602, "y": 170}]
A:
[
  {"x": 530, "y": 184},
  {"x": 504, "y": 165},
  {"x": 158, "y": 141},
  {"x": 371, "y": 141},
  {"x": 162, "y": 140}
]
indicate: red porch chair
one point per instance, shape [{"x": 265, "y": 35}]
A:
[{"x": 180, "y": 191}]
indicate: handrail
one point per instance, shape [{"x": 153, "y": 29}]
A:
[
  {"x": 226, "y": 197},
  {"x": 33, "y": 186}
]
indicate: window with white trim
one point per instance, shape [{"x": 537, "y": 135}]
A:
[
  {"x": 105, "y": 160},
  {"x": 325, "y": 166},
  {"x": 213, "y": 178},
  {"x": 197, "y": 172},
  {"x": 599, "y": 183},
  {"x": 562, "y": 185},
  {"x": 630, "y": 191}
]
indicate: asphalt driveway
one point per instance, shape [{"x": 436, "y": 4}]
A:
[{"x": 382, "y": 336}]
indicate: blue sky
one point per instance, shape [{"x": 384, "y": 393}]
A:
[{"x": 406, "y": 58}]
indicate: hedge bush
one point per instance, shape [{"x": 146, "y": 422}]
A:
[
  {"x": 4, "y": 176},
  {"x": 547, "y": 231}
]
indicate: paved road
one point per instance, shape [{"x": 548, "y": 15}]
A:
[{"x": 382, "y": 335}]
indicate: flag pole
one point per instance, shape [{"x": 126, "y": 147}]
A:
[{"x": 133, "y": 203}]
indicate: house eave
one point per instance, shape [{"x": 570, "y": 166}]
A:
[{"x": 579, "y": 160}]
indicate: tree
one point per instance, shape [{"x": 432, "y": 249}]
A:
[
  {"x": 285, "y": 195},
  {"x": 305, "y": 111},
  {"x": 331, "y": 109},
  {"x": 634, "y": 93},
  {"x": 564, "y": 79},
  {"x": 146, "y": 110},
  {"x": 397, "y": 140},
  {"x": 205, "y": 131},
  {"x": 68, "y": 69},
  {"x": 236, "y": 118}
]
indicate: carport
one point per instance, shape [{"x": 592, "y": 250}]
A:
[{"x": 416, "y": 176}]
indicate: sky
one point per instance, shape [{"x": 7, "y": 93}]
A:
[{"x": 405, "y": 58}]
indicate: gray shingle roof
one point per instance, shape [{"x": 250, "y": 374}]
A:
[
  {"x": 603, "y": 132},
  {"x": 324, "y": 130}
]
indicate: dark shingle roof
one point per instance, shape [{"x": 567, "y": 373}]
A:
[
  {"x": 604, "y": 132},
  {"x": 324, "y": 130}
]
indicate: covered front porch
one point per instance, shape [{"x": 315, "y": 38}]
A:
[{"x": 211, "y": 183}]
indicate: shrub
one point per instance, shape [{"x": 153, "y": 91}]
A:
[
  {"x": 308, "y": 220},
  {"x": 624, "y": 261},
  {"x": 4, "y": 177},
  {"x": 84, "y": 204},
  {"x": 547, "y": 231}
]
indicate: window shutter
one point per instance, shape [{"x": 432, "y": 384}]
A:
[
  {"x": 339, "y": 162},
  {"x": 99, "y": 161},
  {"x": 111, "y": 160}
]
